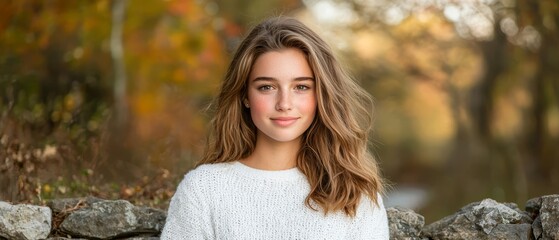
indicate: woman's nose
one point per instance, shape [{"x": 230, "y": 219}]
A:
[{"x": 284, "y": 101}]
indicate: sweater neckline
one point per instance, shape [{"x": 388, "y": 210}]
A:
[{"x": 282, "y": 175}]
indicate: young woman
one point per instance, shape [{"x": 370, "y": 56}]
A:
[{"x": 287, "y": 157}]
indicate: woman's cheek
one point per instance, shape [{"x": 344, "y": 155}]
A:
[{"x": 259, "y": 104}]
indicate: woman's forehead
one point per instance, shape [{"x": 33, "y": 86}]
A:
[{"x": 290, "y": 63}]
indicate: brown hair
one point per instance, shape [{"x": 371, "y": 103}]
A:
[{"x": 334, "y": 154}]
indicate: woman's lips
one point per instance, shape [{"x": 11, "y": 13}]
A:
[{"x": 284, "y": 121}]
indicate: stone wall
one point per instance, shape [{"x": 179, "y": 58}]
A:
[{"x": 94, "y": 218}]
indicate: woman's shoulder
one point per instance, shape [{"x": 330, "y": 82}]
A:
[
  {"x": 201, "y": 180},
  {"x": 367, "y": 206}
]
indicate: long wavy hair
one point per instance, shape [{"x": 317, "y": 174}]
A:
[{"x": 334, "y": 154}]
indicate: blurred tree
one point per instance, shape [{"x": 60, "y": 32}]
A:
[
  {"x": 52, "y": 88},
  {"x": 52, "y": 64},
  {"x": 117, "y": 53},
  {"x": 524, "y": 35},
  {"x": 541, "y": 141}
]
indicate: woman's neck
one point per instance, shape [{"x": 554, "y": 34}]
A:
[{"x": 273, "y": 155}]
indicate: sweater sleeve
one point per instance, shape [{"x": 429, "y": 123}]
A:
[
  {"x": 371, "y": 222},
  {"x": 186, "y": 217}
]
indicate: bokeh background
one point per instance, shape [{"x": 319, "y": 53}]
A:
[{"x": 109, "y": 98}]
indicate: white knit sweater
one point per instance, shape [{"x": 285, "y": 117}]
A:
[{"x": 234, "y": 201}]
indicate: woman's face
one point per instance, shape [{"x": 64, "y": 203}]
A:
[{"x": 281, "y": 95}]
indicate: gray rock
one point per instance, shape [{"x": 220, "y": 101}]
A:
[
  {"x": 142, "y": 238},
  {"x": 533, "y": 207},
  {"x": 486, "y": 219},
  {"x": 549, "y": 214},
  {"x": 404, "y": 224},
  {"x": 547, "y": 210},
  {"x": 59, "y": 205},
  {"x": 63, "y": 238},
  {"x": 512, "y": 231},
  {"x": 24, "y": 221},
  {"x": 110, "y": 219},
  {"x": 537, "y": 228}
]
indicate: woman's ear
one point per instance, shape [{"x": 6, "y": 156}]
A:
[{"x": 245, "y": 101}]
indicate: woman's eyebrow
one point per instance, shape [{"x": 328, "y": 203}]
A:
[
  {"x": 304, "y": 79},
  {"x": 264, "y": 79},
  {"x": 274, "y": 79}
]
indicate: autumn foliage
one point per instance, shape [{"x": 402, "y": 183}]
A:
[{"x": 57, "y": 91}]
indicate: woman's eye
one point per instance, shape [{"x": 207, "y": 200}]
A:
[
  {"x": 302, "y": 87},
  {"x": 265, "y": 88}
]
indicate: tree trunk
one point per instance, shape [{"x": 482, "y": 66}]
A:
[{"x": 117, "y": 53}]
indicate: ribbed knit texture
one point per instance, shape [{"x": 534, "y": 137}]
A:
[{"x": 234, "y": 201}]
